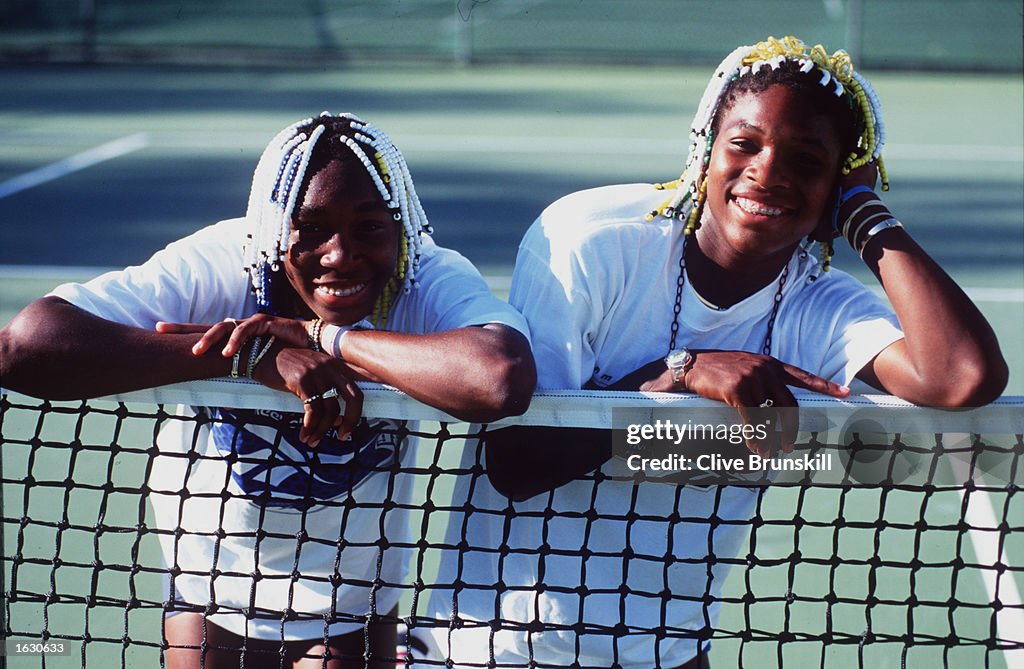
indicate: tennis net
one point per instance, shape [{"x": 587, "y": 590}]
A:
[{"x": 897, "y": 542}]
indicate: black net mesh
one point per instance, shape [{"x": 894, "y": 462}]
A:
[{"x": 109, "y": 533}]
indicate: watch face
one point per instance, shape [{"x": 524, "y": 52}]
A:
[{"x": 678, "y": 358}]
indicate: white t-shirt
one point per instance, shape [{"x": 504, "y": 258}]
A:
[
  {"x": 278, "y": 489},
  {"x": 597, "y": 284}
]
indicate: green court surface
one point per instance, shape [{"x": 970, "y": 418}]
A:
[
  {"x": 174, "y": 149},
  {"x": 489, "y": 147}
]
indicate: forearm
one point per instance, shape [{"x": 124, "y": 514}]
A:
[
  {"x": 950, "y": 355},
  {"x": 55, "y": 350},
  {"x": 477, "y": 374}
]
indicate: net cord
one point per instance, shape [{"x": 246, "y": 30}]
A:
[{"x": 594, "y": 408}]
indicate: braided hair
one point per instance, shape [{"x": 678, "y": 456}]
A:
[
  {"x": 831, "y": 85},
  {"x": 280, "y": 177}
]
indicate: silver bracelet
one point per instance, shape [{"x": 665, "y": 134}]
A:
[
  {"x": 259, "y": 356},
  {"x": 884, "y": 225},
  {"x": 252, "y": 355},
  {"x": 867, "y": 220},
  {"x": 853, "y": 214}
]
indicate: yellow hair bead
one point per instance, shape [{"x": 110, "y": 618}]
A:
[{"x": 386, "y": 299}]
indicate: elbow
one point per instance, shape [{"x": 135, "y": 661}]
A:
[
  {"x": 986, "y": 384},
  {"x": 510, "y": 390},
  {"x": 506, "y": 390},
  {"x": 971, "y": 383},
  {"x": 15, "y": 360},
  {"x": 30, "y": 347},
  {"x": 501, "y": 381}
]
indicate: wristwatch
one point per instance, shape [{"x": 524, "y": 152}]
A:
[{"x": 679, "y": 362}]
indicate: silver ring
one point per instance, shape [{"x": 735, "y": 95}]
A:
[
  {"x": 327, "y": 394},
  {"x": 767, "y": 403}
]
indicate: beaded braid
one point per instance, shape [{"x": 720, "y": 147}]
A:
[
  {"x": 278, "y": 180},
  {"x": 690, "y": 189}
]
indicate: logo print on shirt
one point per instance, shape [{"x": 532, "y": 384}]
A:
[{"x": 269, "y": 462}]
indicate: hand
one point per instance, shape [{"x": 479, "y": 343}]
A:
[
  {"x": 238, "y": 331},
  {"x": 865, "y": 175},
  {"x": 288, "y": 366},
  {"x": 308, "y": 374},
  {"x": 754, "y": 384}
]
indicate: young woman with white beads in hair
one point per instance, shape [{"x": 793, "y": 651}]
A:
[
  {"x": 717, "y": 284},
  {"x": 279, "y": 530}
]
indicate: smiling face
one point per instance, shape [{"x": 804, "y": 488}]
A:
[
  {"x": 771, "y": 179},
  {"x": 344, "y": 244}
]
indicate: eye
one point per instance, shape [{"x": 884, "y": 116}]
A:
[
  {"x": 308, "y": 228},
  {"x": 373, "y": 228},
  {"x": 743, "y": 144},
  {"x": 809, "y": 161}
]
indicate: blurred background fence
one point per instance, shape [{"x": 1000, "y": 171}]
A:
[{"x": 880, "y": 34}]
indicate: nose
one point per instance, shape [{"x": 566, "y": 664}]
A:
[
  {"x": 336, "y": 251},
  {"x": 769, "y": 170}
]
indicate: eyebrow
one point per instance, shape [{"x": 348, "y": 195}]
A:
[
  {"x": 367, "y": 206},
  {"x": 744, "y": 125}
]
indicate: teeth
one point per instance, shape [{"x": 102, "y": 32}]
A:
[
  {"x": 752, "y": 207},
  {"x": 341, "y": 292}
]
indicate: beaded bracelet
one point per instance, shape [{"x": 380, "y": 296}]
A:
[
  {"x": 253, "y": 361},
  {"x": 313, "y": 333}
]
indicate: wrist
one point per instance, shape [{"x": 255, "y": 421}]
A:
[
  {"x": 858, "y": 214},
  {"x": 679, "y": 363},
  {"x": 314, "y": 332},
  {"x": 332, "y": 337}
]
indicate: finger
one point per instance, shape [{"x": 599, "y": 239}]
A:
[
  {"x": 309, "y": 421},
  {"x": 784, "y": 414},
  {"x": 353, "y": 398},
  {"x": 748, "y": 418},
  {"x": 866, "y": 175},
  {"x": 213, "y": 335},
  {"x": 180, "y": 328},
  {"x": 324, "y": 416},
  {"x": 246, "y": 330},
  {"x": 794, "y": 376},
  {"x": 316, "y": 419},
  {"x": 287, "y": 331}
]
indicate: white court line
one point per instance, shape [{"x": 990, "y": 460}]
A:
[
  {"x": 79, "y": 161},
  {"x": 984, "y": 534}
]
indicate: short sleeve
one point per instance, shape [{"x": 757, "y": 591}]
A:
[
  {"x": 856, "y": 324},
  {"x": 451, "y": 294},
  {"x": 551, "y": 293},
  {"x": 197, "y": 279}
]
